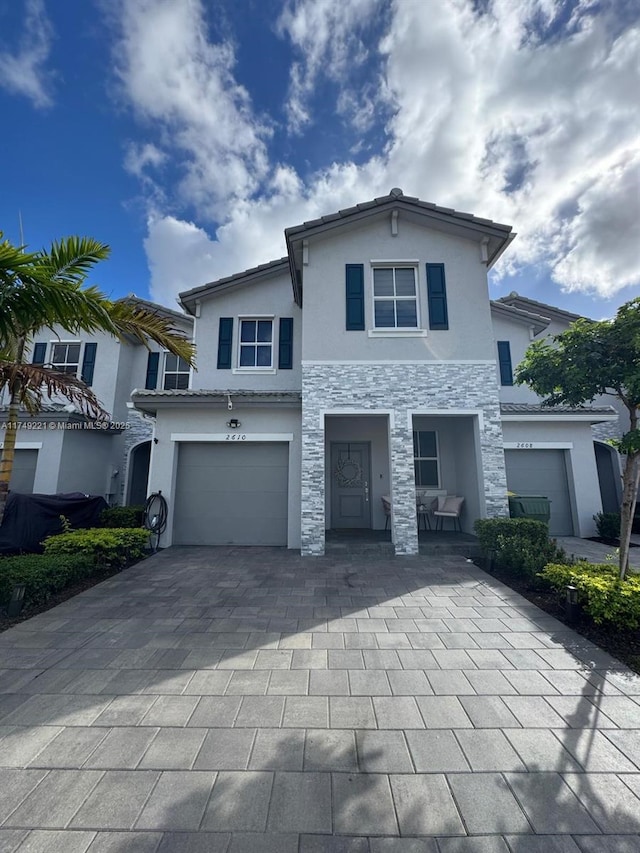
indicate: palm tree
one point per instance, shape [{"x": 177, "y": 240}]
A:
[{"x": 46, "y": 289}]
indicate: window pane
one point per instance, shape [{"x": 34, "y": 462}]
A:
[
  {"x": 416, "y": 451},
  {"x": 405, "y": 282},
  {"x": 183, "y": 367},
  {"x": 182, "y": 381},
  {"x": 171, "y": 362},
  {"x": 170, "y": 382},
  {"x": 407, "y": 313},
  {"x": 428, "y": 473},
  {"x": 59, "y": 353},
  {"x": 264, "y": 356},
  {"x": 73, "y": 353},
  {"x": 383, "y": 282},
  {"x": 384, "y": 314},
  {"x": 248, "y": 331},
  {"x": 247, "y": 356},
  {"x": 264, "y": 330},
  {"x": 428, "y": 444}
]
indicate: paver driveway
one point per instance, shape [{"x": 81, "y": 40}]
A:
[{"x": 240, "y": 700}]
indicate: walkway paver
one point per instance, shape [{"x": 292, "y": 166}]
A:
[{"x": 241, "y": 700}]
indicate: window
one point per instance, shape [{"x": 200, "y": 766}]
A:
[
  {"x": 256, "y": 344},
  {"x": 176, "y": 373},
  {"x": 395, "y": 301},
  {"x": 425, "y": 459},
  {"x": 66, "y": 357}
]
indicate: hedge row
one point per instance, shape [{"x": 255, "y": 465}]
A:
[
  {"x": 601, "y": 593},
  {"x": 69, "y": 558},
  {"x": 122, "y": 516},
  {"x": 518, "y": 545}
]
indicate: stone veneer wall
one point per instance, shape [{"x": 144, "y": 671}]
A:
[
  {"x": 400, "y": 388},
  {"x": 138, "y": 429}
]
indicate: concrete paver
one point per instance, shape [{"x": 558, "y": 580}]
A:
[{"x": 250, "y": 700}]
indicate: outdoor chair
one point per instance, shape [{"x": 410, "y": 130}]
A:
[{"x": 448, "y": 507}]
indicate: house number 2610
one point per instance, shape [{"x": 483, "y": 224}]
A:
[{"x": 234, "y": 436}]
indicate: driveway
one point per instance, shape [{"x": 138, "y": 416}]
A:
[{"x": 249, "y": 700}]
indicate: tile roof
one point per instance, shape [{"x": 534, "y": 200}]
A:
[{"x": 538, "y": 409}]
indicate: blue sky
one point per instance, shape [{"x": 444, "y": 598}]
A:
[{"x": 188, "y": 134}]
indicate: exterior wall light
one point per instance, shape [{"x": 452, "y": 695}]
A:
[{"x": 234, "y": 423}]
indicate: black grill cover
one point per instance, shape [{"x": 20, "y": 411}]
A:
[{"x": 28, "y": 519}]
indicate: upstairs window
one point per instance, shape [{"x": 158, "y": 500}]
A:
[
  {"x": 66, "y": 357},
  {"x": 176, "y": 373},
  {"x": 256, "y": 343},
  {"x": 395, "y": 300},
  {"x": 425, "y": 459}
]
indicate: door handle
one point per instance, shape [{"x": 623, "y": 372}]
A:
[{"x": 366, "y": 491}]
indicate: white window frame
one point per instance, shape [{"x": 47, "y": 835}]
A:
[
  {"x": 396, "y": 331},
  {"x": 77, "y": 343},
  {"x": 176, "y": 372},
  {"x": 435, "y": 458},
  {"x": 255, "y": 368}
]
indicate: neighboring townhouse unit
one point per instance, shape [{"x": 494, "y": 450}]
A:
[
  {"x": 608, "y": 461},
  {"x": 367, "y": 363},
  {"x": 58, "y": 452}
]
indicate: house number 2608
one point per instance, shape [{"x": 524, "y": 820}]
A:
[{"x": 234, "y": 436}]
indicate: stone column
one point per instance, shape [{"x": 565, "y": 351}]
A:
[
  {"x": 403, "y": 489},
  {"x": 312, "y": 503},
  {"x": 493, "y": 465}
]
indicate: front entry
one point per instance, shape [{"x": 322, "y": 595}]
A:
[{"x": 350, "y": 485}]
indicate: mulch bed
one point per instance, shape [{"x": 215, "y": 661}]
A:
[
  {"x": 622, "y": 644},
  {"x": 612, "y": 543}
]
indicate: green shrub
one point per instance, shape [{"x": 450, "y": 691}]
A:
[
  {"x": 600, "y": 591},
  {"x": 519, "y": 545},
  {"x": 106, "y": 547},
  {"x": 608, "y": 525},
  {"x": 42, "y": 575},
  {"x": 122, "y": 516}
]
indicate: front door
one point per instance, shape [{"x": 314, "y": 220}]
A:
[{"x": 350, "y": 485}]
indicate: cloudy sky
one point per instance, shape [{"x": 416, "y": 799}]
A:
[{"x": 188, "y": 134}]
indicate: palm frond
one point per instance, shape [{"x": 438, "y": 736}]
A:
[
  {"x": 144, "y": 324},
  {"x": 70, "y": 260},
  {"x": 35, "y": 383}
]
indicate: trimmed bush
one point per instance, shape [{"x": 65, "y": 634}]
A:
[
  {"x": 122, "y": 516},
  {"x": 519, "y": 545},
  {"x": 42, "y": 575},
  {"x": 608, "y": 525},
  {"x": 104, "y": 547},
  {"x": 600, "y": 591}
]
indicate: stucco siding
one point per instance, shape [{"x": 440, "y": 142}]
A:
[{"x": 469, "y": 335}]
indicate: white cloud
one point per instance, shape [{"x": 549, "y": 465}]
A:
[
  {"x": 182, "y": 84},
  {"x": 508, "y": 114},
  {"x": 23, "y": 71}
]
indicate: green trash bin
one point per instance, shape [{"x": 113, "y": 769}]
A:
[{"x": 536, "y": 507}]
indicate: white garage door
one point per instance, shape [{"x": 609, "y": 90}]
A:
[
  {"x": 24, "y": 471},
  {"x": 231, "y": 494},
  {"x": 542, "y": 472}
]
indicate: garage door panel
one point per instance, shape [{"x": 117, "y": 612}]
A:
[
  {"x": 231, "y": 494},
  {"x": 24, "y": 471},
  {"x": 542, "y": 472}
]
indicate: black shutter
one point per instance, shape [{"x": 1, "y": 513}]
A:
[
  {"x": 285, "y": 344},
  {"x": 437, "y": 297},
  {"x": 354, "y": 279},
  {"x": 153, "y": 365},
  {"x": 39, "y": 353},
  {"x": 88, "y": 363},
  {"x": 504, "y": 360},
  {"x": 225, "y": 342}
]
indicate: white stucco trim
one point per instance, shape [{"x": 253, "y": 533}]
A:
[
  {"x": 357, "y": 411},
  {"x": 557, "y": 418},
  {"x": 538, "y": 445},
  {"x": 422, "y": 361},
  {"x": 269, "y": 371},
  {"x": 397, "y": 333},
  {"x": 25, "y": 445},
  {"x": 232, "y": 436},
  {"x": 454, "y": 413},
  {"x": 397, "y": 262}
]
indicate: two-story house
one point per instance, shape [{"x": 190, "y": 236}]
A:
[
  {"x": 58, "y": 451},
  {"x": 367, "y": 363}
]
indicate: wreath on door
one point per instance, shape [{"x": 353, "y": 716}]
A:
[{"x": 348, "y": 473}]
